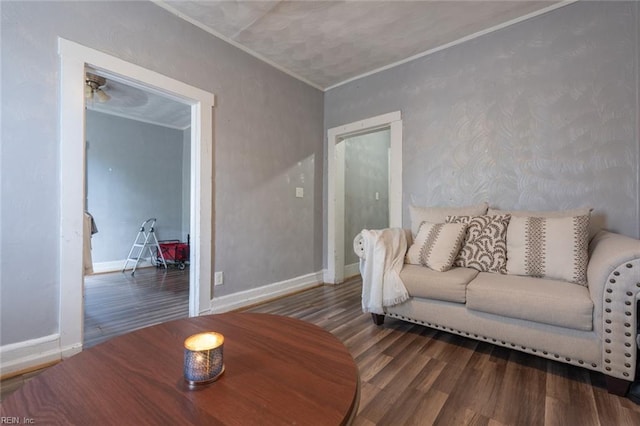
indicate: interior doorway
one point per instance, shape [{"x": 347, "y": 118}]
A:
[
  {"x": 74, "y": 58},
  {"x": 366, "y": 183},
  {"x": 336, "y": 245}
]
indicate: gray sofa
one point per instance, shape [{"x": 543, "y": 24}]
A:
[{"x": 591, "y": 326}]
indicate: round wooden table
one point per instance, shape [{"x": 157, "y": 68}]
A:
[{"x": 278, "y": 370}]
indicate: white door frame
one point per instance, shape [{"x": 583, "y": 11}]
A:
[
  {"x": 73, "y": 60},
  {"x": 335, "y": 184}
]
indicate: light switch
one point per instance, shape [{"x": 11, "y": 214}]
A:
[
  {"x": 299, "y": 192},
  {"x": 377, "y": 195}
]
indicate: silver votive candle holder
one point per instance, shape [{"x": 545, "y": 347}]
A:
[{"x": 203, "y": 358}]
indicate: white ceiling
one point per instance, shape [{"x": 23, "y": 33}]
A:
[
  {"x": 141, "y": 105},
  {"x": 325, "y": 43}
]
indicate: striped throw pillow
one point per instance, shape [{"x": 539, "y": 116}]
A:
[
  {"x": 555, "y": 248},
  {"x": 436, "y": 245}
]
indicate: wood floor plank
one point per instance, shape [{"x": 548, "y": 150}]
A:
[{"x": 410, "y": 374}]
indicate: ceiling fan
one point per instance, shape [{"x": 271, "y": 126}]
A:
[{"x": 94, "y": 85}]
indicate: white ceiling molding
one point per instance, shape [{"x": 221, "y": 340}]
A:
[
  {"x": 232, "y": 42},
  {"x": 457, "y": 42},
  {"x": 330, "y": 43}
]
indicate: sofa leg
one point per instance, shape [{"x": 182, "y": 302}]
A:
[
  {"x": 378, "y": 319},
  {"x": 617, "y": 386}
]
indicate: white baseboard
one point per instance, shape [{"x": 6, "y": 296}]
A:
[
  {"x": 352, "y": 270},
  {"x": 349, "y": 271},
  {"x": 116, "y": 265},
  {"x": 241, "y": 299},
  {"x": 31, "y": 353}
]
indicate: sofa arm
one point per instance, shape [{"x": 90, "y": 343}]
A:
[
  {"x": 613, "y": 277},
  {"x": 358, "y": 243}
]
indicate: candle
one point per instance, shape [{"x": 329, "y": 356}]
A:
[{"x": 203, "y": 361}]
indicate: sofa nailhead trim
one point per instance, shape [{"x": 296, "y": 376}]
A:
[{"x": 524, "y": 348}]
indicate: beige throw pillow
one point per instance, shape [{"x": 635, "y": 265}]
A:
[
  {"x": 485, "y": 246},
  {"x": 436, "y": 245},
  {"x": 439, "y": 214},
  {"x": 549, "y": 247}
]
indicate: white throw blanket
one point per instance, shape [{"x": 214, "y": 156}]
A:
[{"x": 381, "y": 259}]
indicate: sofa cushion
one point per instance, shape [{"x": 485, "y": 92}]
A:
[
  {"x": 436, "y": 245},
  {"x": 555, "y": 248},
  {"x": 449, "y": 286},
  {"x": 439, "y": 214},
  {"x": 535, "y": 299},
  {"x": 485, "y": 246}
]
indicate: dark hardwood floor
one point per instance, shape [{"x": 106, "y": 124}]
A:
[
  {"x": 116, "y": 303},
  {"x": 413, "y": 375},
  {"x": 410, "y": 374}
]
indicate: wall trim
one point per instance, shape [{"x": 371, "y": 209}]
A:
[
  {"x": 116, "y": 265},
  {"x": 30, "y": 353},
  {"x": 464, "y": 39},
  {"x": 335, "y": 184},
  {"x": 74, "y": 58},
  {"x": 250, "y": 297},
  {"x": 234, "y": 43},
  {"x": 351, "y": 270}
]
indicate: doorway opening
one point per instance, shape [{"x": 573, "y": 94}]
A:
[
  {"x": 366, "y": 188},
  {"x": 390, "y": 122},
  {"x": 74, "y": 59}
]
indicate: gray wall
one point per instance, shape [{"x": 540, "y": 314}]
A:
[
  {"x": 267, "y": 141},
  {"x": 539, "y": 115},
  {"x": 134, "y": 172},
  {"x": 366, "y": 172}
]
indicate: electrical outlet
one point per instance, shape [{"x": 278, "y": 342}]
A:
[
  {"x": 218, "y": 278},
  {"x": 299, "y": 192}
]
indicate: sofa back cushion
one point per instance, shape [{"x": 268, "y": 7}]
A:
[
  {"x": 436, "y": 245},
  {"x": 439, "y": 214},
  {"x": 485, "y": 246},
  {"x": 549, "y": 247}
]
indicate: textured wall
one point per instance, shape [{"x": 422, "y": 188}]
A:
[
  {"x": 539, "y": 115},
  {"x": 267, "y": 136},
  {"x": 134, "y": 172},
  {"x": 366, "y": 172}
]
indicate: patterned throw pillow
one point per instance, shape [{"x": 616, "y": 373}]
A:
[
  {"x": 436, "y": 245},
  {"x": 485, "y": 247},
  {"x": 549, "y": 247},
  {"x": 439, "y": 214}
]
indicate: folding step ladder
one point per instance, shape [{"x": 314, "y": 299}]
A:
[{"x": 145, "y": 241}]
